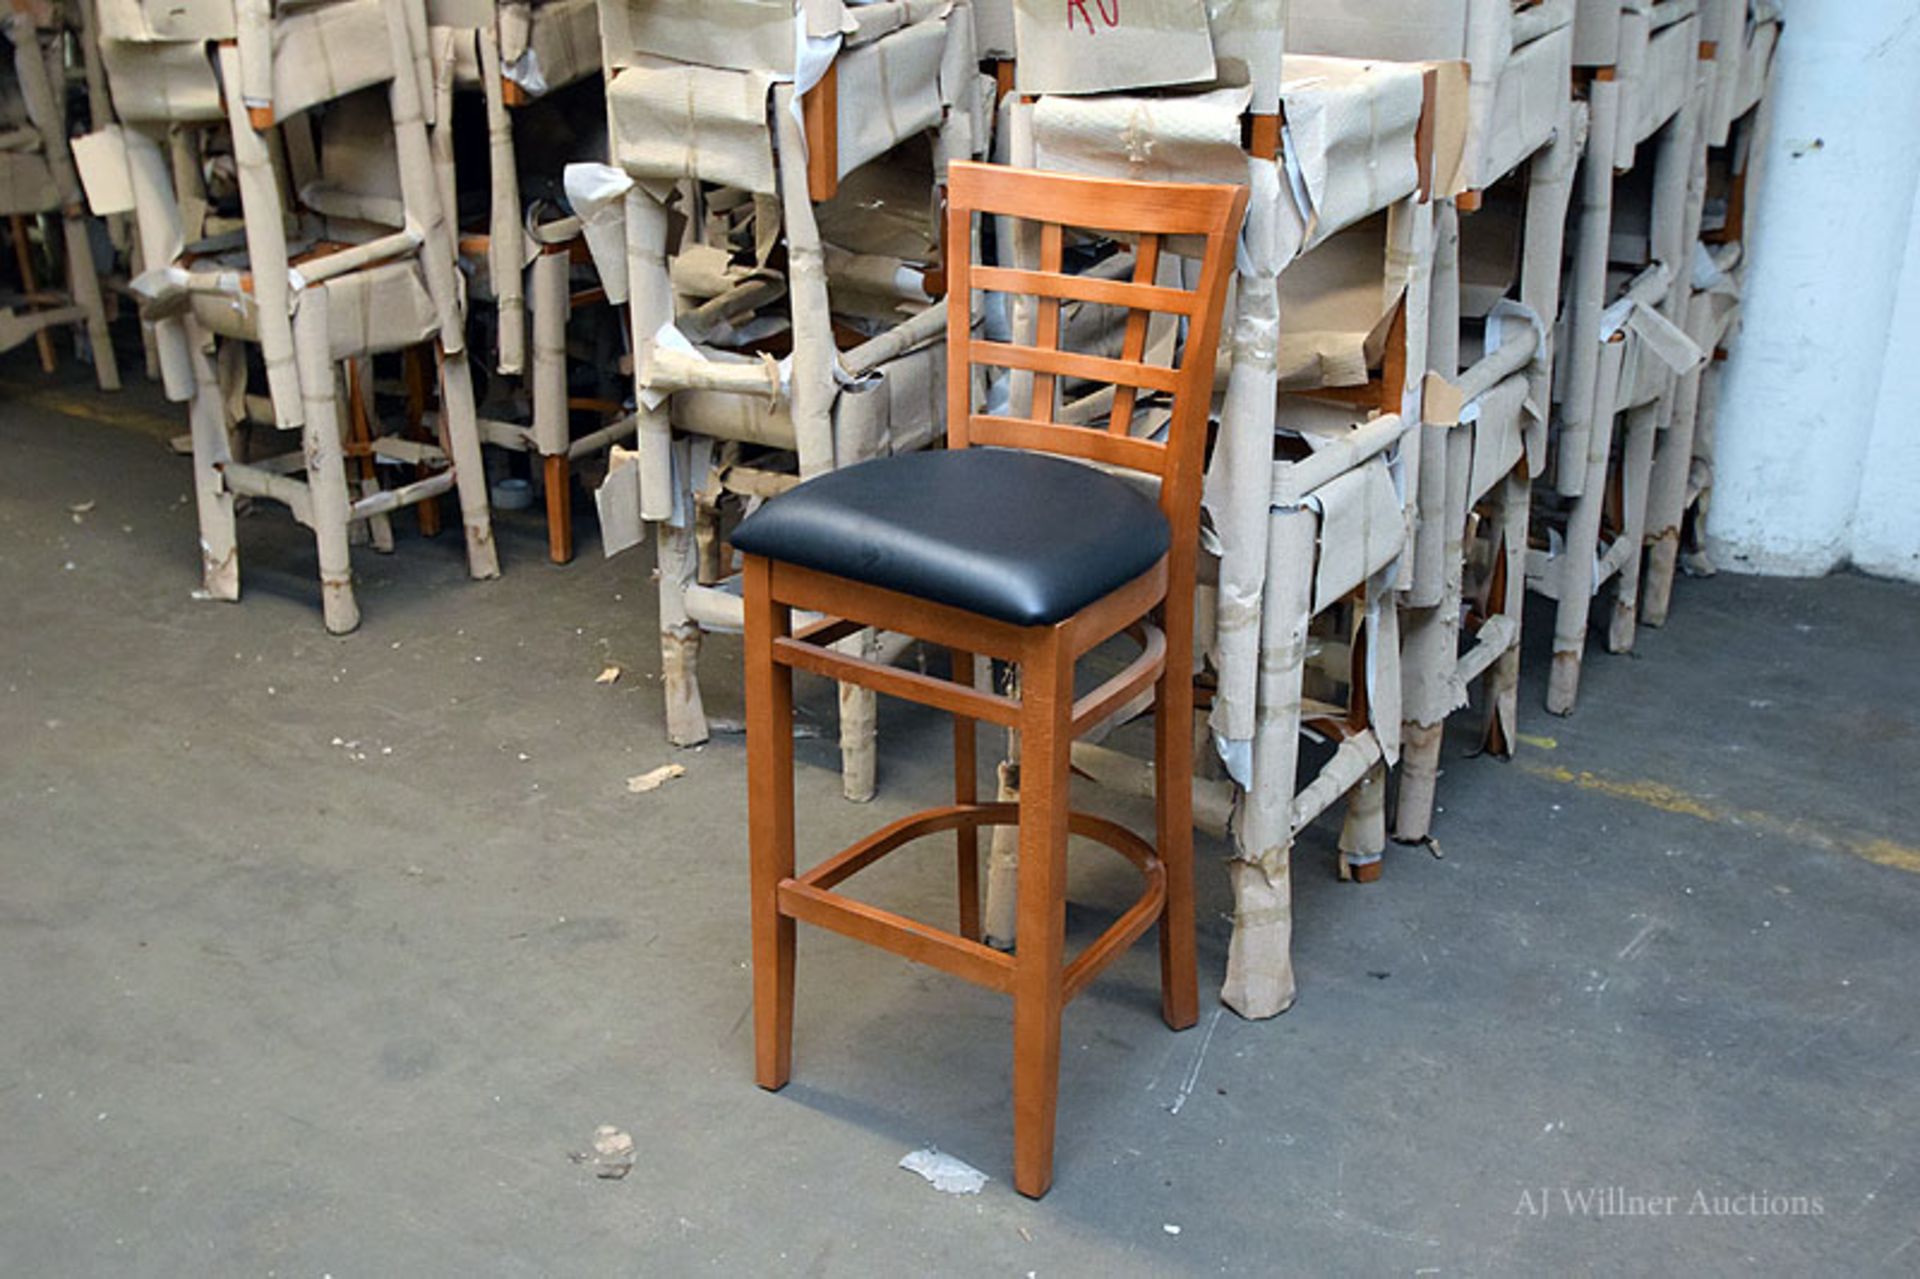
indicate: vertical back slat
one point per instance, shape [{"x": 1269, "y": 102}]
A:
[
  {"x": 959, "y": 320},
  {"x": 1146, "y": 266},
  {"x": 1052, "y": 256}
]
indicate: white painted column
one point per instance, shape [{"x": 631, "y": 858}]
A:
[
  {"x": 1829, "y": 228},
  {"x": 1886, "y": 524}
]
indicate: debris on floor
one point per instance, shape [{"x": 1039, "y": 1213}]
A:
[
  {"x": 945, "y": 1173},
  {"x": 654, "y": 779},
  {"x": 608, "y": 676},
  {"x": 612, "y": 1153}
]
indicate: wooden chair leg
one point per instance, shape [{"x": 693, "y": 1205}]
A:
[
  {"x": 966, "y": 790},
  {"x": 360, "y": 431},
  {"x": 460, "y": 436},
  {"x": 83, "y": 286},
  {"x": 1363, "y": 835},
  {"x": 675, "y": 557},
  {"x": 559, "y": 479},
  {"x": 413, "y": 365},
  {"x": 1259, "y": 979},
  {"x": 1642, "y": 435},
  {"x": 769, "y": 688},
  {"x": 219, "y": 551},
  {"x": 326, "y": 463},
  {"x": 1173, "y": 812},
  {"x": 1039, "y": 958},
  {"x": 30, "y": 284}
]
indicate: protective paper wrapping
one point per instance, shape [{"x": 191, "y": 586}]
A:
[
  {"x": 1260, "y": 980},
  {"x": 327, "y": 52},
  {"x": 1755, "y": 64},
  {"x": 151, "y": 20},
  {"x": 543, "y": 46},
  {"x": 1498, "y": 435},
  {"x": 1248, "y": 45},
  {"x": 506, "y": 246},
  {"x": 157, "y": 56},
  {"x": 359, "y": 175},
  {"x": 598, "y": 193},
  {"x": 901, "y": 407},
  {"x": 741, "y": 35},
  {"x": 1362, "y": 529},
  {"x": 1577, "y": 372},
  {"x": 1099, "y": 46},
  {"x": 26, "y": 183},
  {"x": 1490, "y": 250},
  {"x": 383, "y": 308},
  {"x": 672, "y": 122},
  {"x": 1517, "y": 60},
  {"x": 1185, "y": 138},
  {"x": 1724, "y": 25},
  {"x": 1351, "y": 138},
  {"x": 562, "y": 45},
  {"x": 1422, "y": 30},
  {"x": 813, "y": 359},
  {"x": 1596, "y": 32},
  {"x": 889, "y": 90},
  {"x": 1238, "y": 487},
  {"x": 993, "y": 28},
  {"x": 468, "y": 14},
  {"x": 883, "y": 209},
  {"x": 35, "y": 67},
  {"x": 155, "y": 82},
  {"x": 1666, "y": 76},
  {"x": 1515, "y": 115},
  {"x": 1657, "y": 350},
  {"x": 1712, "y": 309},
  {"x": 1335, "y": 308}
]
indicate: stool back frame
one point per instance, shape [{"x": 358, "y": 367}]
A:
[{"x": 1150, "y": 210}]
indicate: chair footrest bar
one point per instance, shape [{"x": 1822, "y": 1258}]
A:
[
  {"x": 910, "y": 939},
  {"x": 1338, "y": 776},
  {"x": 414, "y": 452},
  {"x": 256, "y": 481},
  {"x": 1496, "y": 636},
  {"x": 1623, "y": 549},
  {"x": 807, "y": 897},
  {"x": 407, "y": 495},
  {"x": 1118, "y": 938}
]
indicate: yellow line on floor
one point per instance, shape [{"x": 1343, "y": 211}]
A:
[
  {"x": 1671, "y": 799},
  {"x": 93, "y": 406}
]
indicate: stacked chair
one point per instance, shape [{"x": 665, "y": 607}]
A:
[
  {"x": 337, "y": 249},
  {"x": 38, "y": 182},
  {"x": 779, "y": 329},
  {"x": 1739, "y": 44},
  {"x": 525, "y": 252},
  {"x": 1623, "y": 347},
  {"x": 1495, "y": 294},
  {"x": 1310, "y": 477}
]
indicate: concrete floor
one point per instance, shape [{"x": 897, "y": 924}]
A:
[{"x": 319, "y": 956}]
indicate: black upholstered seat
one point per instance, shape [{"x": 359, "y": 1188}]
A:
[{"x": 1017, "y": 536}]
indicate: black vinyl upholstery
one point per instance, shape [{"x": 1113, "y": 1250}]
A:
[{"x": 1021, "y": 537}]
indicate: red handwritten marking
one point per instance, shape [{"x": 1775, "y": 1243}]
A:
[{"x": 1109, "y": 11}]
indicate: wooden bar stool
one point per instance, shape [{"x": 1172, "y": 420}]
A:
[{"x": 1011, "y": 553}]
